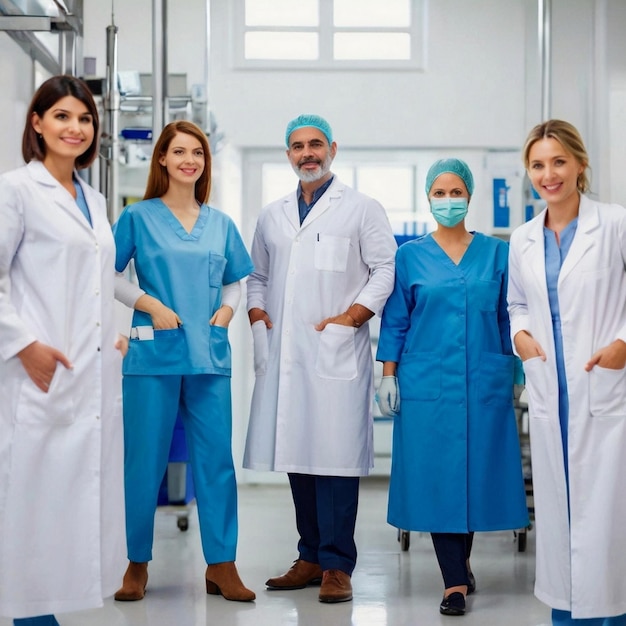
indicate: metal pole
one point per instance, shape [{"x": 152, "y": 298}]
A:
[
  {"x": 110, "y": 146},
  {"x": 545, "y": 56},
  {"x": 159, "y": 66}
]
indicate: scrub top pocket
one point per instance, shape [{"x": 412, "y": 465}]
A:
[
  {"x": 220, "y": 347},
  {"x": 331, "y": 253},
  {"x": 161, "y": 355},
  {"x": 217, "y": 265},
  {"x": 607, "y": 392},
  {"x": 336, "y": 354}
]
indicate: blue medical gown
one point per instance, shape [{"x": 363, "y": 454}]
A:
[
  {"x": 456, "y": 462},
  {"x": 186, "y": 272}
]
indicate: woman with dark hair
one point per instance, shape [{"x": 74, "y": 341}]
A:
[
  {"x": 61, "y": 445},
  {"x": 189, "y": 259},
  {"x": 567, "y": 302}
]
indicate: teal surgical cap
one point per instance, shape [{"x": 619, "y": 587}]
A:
[
  {"x": 451, "y": 166},
  {"x": 309, "y": 120}
]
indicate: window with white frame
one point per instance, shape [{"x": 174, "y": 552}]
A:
[
  {"x": 329, "y": 34},
  {"x": 393, "y": 185}
]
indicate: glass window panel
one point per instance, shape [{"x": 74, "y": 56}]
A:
[
  {"x": 372, "y": 46},
  {"x": 392, "y": 186},
  {"x": 345, "y": 174},
  {"x": 278, "y": 181},
  {"x": 282, "y": 13},
  {"x": 283, "y": 46},
  {"x": 375, "y": 13}
]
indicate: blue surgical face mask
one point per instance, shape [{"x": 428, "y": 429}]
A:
[{"x": 448, "y": 211}]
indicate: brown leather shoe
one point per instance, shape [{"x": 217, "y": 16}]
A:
[
  {"x": 336, "y": 586},
  {"x": 134, "y": 583},
  {"x": 223, "y": 579},
  {"x": 301, "y": 574}
]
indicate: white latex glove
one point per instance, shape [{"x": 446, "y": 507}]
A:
[{"x": 388, "y": 396}]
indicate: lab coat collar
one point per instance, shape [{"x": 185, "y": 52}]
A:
[
  {"x": 588, "y": 221},
  {"x": 290, "y": 206},
  {"x": 60, "y": 196}
]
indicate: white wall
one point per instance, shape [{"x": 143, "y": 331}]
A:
[{"x": 471, "y": 93}]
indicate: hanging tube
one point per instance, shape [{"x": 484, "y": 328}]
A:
[{"x": 545, "y": 56}]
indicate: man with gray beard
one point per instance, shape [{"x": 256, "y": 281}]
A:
[{"x": 324, "y": 265}]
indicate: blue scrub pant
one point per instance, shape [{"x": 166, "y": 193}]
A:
[
  {"x": 40, "y": 620},
  {"x": 326, "y": 508},
  {"x": 564, "y": 618},
  {"x": 151, "y": 405}
]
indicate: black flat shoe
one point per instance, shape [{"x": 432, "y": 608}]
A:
[
  {"x": 454, "y": 604},
  {"x": 471, "y": 587}
]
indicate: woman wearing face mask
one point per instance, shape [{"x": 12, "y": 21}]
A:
[{"x": 446, "y": 351}]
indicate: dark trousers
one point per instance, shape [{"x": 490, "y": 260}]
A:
[
  {"x": 326, "y": 508},
  {"x": 453, "y": 550}
]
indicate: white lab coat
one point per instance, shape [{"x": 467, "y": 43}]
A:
[
  {"x": 311, "y": 407},
  {"x": 580, "y": 563},
  {"x": 62, "y": 544}
]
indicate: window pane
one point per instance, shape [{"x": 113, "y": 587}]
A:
[
  {"x": 372, "y": 46},
  {"x": 344, "y": 173},
  {"x": 376, "y": 13},
  {"x": 282, "y": 13},
  {"x": 391, "y": 185},
  {"x": 278, "y": 181},
  {"x": 284, "y": 46}
]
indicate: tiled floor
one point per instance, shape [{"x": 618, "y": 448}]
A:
[{"x": 391, "y": 587}]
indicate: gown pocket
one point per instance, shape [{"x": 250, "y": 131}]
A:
[
  {"x": 607, "y": 392},
  {"x": 537, "y": 387},
  {"x": 336, "y": 353},
  {"x": 261, "y": 347},
  {"x": 496, "y": 379}
]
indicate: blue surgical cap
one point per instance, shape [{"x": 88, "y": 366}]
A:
[
  {"x": 309, "y": 120},
  {"x": 451, "y": 166}
]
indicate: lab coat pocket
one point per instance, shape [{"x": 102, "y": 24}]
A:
[
  {"x": 261, "y": 347},
  {"x": 54, "y": 407},
  {"x": 336, "y": 353},
  {"x": 607, "y": 392},
  {"x": 331, "y": 253},
  {"x": 537, "y": 387},
  {"x": 220, "y": 347},
  {"x": 496, "y": 379},
  {"x": 419, "y": 376}
]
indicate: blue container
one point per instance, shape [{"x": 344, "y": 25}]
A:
[{"x": 141, "y": 133}]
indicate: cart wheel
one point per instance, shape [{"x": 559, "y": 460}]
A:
[
  {"x": 183, "y": 523},
  {"x": 521, "y": 540},
  {"x": 405, "y": 540}
]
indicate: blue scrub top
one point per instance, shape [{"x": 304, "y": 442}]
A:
[{"x": 186, "y": 272}]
